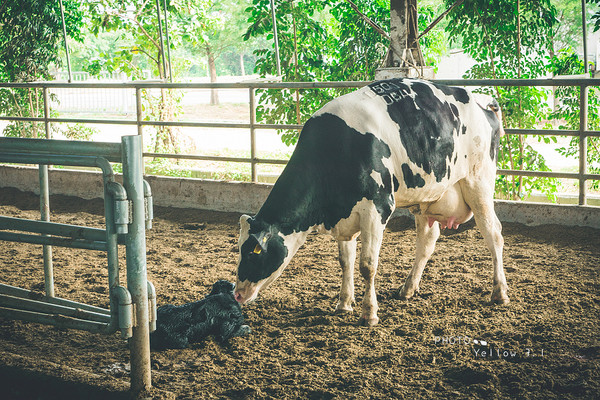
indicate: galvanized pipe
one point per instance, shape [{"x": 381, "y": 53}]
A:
[
  {"x": 48, "y": 308},
  {"x": 584, "y": 34},
  {"x": 251, "y": 99},
  {"x": 162, "y": 44},
  {"x": 109, "y": 151},
  {"x": 52, "y": 228},
  {"x": 54, "y": 241},
  {"x": 275, "y": 38},
  {"x": 136, "y": 263},
  {"x": 60, "y": 321},
  {"x": 138, "y": 111},
  {"x": 301, "y": 85},
  {"x": 45, "y": 216},
  {"x": 27, "y": 294},
  {"x": 583, "y": 121},
  {"x": 124, "y": 311},
  {"x": 64, "y": 26},
  {"x": 152, "y": 306},
  {"x": 548, "y": 174}
]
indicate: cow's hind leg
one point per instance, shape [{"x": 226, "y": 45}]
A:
[
  {"x": 482, "y": 205},
  {"x": 426, "y": 238},
  {"x": 371, "y": 237},
  {"x": 347, "y": 259}
]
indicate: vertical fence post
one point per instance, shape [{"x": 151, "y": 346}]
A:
[
  {"x": 253, "y": 135},
  {"x": 583, "y": 121},
  {"x": 45, "y": 205},
  {"x": 135, "y": 248},
  {"x": 138, "y": 110}
]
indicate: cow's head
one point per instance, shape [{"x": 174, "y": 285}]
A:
[{"x": 262, "y": 255}]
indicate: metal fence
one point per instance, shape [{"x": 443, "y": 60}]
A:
[
  {"x": 127, "y": 213},
  {"x": 252, "y": 126}
]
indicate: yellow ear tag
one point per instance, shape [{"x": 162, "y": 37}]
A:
[{"x": 257, "y": 249}]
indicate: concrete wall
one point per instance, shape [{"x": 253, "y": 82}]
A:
[{"x": 248, "y": 197}]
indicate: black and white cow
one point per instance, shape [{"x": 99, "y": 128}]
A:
[{"x": 394, "y": 143}]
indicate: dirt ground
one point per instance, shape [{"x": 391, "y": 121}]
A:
[{"x": 544, "y": 344}]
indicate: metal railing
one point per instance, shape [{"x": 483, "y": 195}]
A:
[
  {"x": 127, "y": 213},
  {"x": 583, "y": 133}
]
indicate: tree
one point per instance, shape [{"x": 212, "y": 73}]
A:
[
  {"x": 139, "y": 18},
  {"x": 511, "y": 39},
  {"x": 318, "y": 41},
  {"x": 212, "y": 27},
  {"x": 566, "y": 62},
  {"x": 596, "y": 16},
  {"x": 31, "y": 35}
]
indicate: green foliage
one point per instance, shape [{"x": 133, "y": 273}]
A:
[
  {"x": 30, "y": 37},
  {"x": 322, "y": 41},
  {"x": 162, "y": 105},
  {"x": 133, "y": 20},
  {"x": 596, "y": 16},
  {"x": 567, "y": 62},
  {"x": 79, "y": 132},
  {"x": 510, "y": 42},
  {"x": 165, "y": 167},
  {"x": 301, "y": 42}
]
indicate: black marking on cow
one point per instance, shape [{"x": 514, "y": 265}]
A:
[
  {"x": 448, "y": 174},
  {"x": 396, "y": 183},
  {"x": 455, "y": 158},
  {"x": 454, "y": 109},
  {"x": 328, "y": 173},
  {"x": 257, "y": 266},
  {"x": 460, "y": 94},
  {"x": 426, "y": 122},
  {"x": 411, "y": 180},
  {"x": 496, "y": 130},
  {"x": 464, "y": 129}
]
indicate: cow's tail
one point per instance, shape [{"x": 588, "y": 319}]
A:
[{"x": 494, "y": 106}]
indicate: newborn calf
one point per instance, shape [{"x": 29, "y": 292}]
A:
[{"x": 218, "y": 314}]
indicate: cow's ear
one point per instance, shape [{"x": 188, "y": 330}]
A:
[
  {"x": 244, "y": 222},
  {"x": 262, "y": 238}
]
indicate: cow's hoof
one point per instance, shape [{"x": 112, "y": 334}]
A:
[
  {"x": 344, "y": 306},
  {"x": 368, "y": 321},
  {"x": 405, "y": 294},
  {"x": 343, "y": 309},
  {"x": 500, "y": 298}
]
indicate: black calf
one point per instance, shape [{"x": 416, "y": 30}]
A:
[{"x": 218, "y": 314}]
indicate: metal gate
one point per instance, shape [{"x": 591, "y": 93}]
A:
[{"x": 128, "y": 213}]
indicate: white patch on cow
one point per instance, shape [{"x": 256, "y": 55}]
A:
[
  {"x": 292, "y": 242},
  {"x": 349, "y": 228},
  {"x": 377, "y": 177},
  {"x": 250, "y": 290},
  {"x": 244, "y": 229}
]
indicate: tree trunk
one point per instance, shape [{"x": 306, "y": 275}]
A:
[
  {"x": 242, "y": 65},
  {"x": 212, "y": 70}
]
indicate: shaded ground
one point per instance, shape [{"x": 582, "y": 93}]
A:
[{"x": 545, "y": 344}]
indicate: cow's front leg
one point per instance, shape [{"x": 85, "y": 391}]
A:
[
  {"x": 426, "y": 238},
  {"x": 347, "y": 258},
  {"x": 369, "y": 257}
]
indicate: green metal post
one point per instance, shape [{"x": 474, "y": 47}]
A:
[
  {"x": 135, "y": 247},
  {"x": 45, "y": 205},
  {"x": 583, "y": 122},
  {"x": 253, "y": 136}
]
